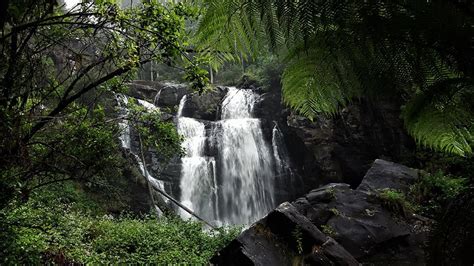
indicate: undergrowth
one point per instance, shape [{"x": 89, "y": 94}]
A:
[{"x": 47, "y": 230}]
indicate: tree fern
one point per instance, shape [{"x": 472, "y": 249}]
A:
[{"x": 338, "y": 50}]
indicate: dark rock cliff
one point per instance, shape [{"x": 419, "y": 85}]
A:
[{"x": 343, "y": 146}]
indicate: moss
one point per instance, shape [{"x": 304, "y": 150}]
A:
[
  {"x": 298, "y": 237},
  {"x": 332, "y": 192},
  {"x": 328, "y": 230},
  {"x": 335, "y": 211},
  {"x": 395, "y": 201}
]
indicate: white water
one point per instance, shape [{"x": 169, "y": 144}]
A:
[
  {"x": 280, "y": 152},
  {"x": 197, "y": 174},
  {"x": 149, "y": 106},
  {"x": 124, "y": 137},
  {"x": 237, "y": 187}
]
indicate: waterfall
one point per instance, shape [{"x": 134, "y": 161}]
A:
[
  {"x": 124, "y": 137},
  {"x": 237, "y": 185},
  {"x": 197, "y": 174},
  {"x": 280, "y": 152},
  {"x": 246, "y": 162},
  {"x": 149, "y": 106}
]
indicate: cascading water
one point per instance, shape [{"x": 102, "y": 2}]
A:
[
  {"x": 246, "y": 191},
  {"x": 198, "y": 171},
  {"x": 280, "y": 152},
  {"x": 237, "y": 186}
]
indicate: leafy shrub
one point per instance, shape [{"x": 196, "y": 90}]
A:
[
  {"x": 395, "y": 201},
  {"x": 43, "y": 231},
  {"x": 328, "y": 230},
  {"x": 267, "y": 71},
  {"x": 433, "y": 191}
]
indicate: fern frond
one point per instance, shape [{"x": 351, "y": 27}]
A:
[
  {"x": 312, "y": 85},
  {"x": 443, "y": 120},
  {"x": 339, "y": 50}
]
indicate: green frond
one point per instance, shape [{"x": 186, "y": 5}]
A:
[
  {"x": 313, "y": 86},
  {"x": 229, "y": 30},
  {"x": 339, "y": 50},
  {"x": 443, "y": 121}
]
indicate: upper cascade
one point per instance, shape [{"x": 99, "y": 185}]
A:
[{"x": 238, "y": 104}]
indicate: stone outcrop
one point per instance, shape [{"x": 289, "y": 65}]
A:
[
  {"x": 206, "y": 106},
  {"x": 354, "y": 221},
  {"x": 341, "y": 148},
  {"x": 159, "y": 93},
  {"x": 283, "y": 237}
]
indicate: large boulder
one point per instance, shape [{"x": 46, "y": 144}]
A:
[
  {"x": 357, "y": 222},
  {"x": 206, "y": 106},
  {"x": 162, "y": 94},
  {"x": 283, "y": 237},
  {"x": 141, "y": 91},
  {"x": 385, "y": 174},
  {"x": 171, "y": 94}
]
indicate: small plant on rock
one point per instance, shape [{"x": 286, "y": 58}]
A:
[
  {"x": 335, "y": 211},
  {"x": 395, "y": 201},
  {"x": 328, "y": 230},
  {"x": 298, "y": 235}
]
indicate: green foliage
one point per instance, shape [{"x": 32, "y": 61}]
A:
[
  {"x": 266, "y": 70},
  {"x": 46, "y": 230},
  {"x": 338, "y": 51},
  {"x": 328, "y": 230},
  {"x": 229, "y": 74},
  {"x": 60, "y": 69},
  {"x": 395, "y": 201},
  {"x": 197, "y": 74},
  {"x": 154, "y": 133},
  {"x": 432, "y": 192},
  {"x": 443, "y": 121},
  {"x": 298, "y": 236}
]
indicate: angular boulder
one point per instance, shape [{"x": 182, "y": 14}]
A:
[
  {"x": 354, "y": 221},
  {"x": 384, "y": 174},
  {"x": 206, "y": 106},
  {"x": 283, "y": 237}
]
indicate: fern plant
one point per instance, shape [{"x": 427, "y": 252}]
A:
[{"x": 336, "y": 51}]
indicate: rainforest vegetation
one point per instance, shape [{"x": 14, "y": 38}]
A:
[{"x": 62, "y": 194}]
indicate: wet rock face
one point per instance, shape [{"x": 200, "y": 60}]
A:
[
  {"x": 354, "y": 221},
  {"x": 159, "y": 93},
  {"x": 206, "y": 106},
  {"x": 343, "y": 147}
]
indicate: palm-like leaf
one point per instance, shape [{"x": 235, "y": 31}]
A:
[{"x": 338, "y": 50}]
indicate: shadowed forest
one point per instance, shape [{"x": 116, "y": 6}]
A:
[{"x": 237, "y": 132}]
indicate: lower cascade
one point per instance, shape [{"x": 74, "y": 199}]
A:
[{"x": 234, "y": 185}]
